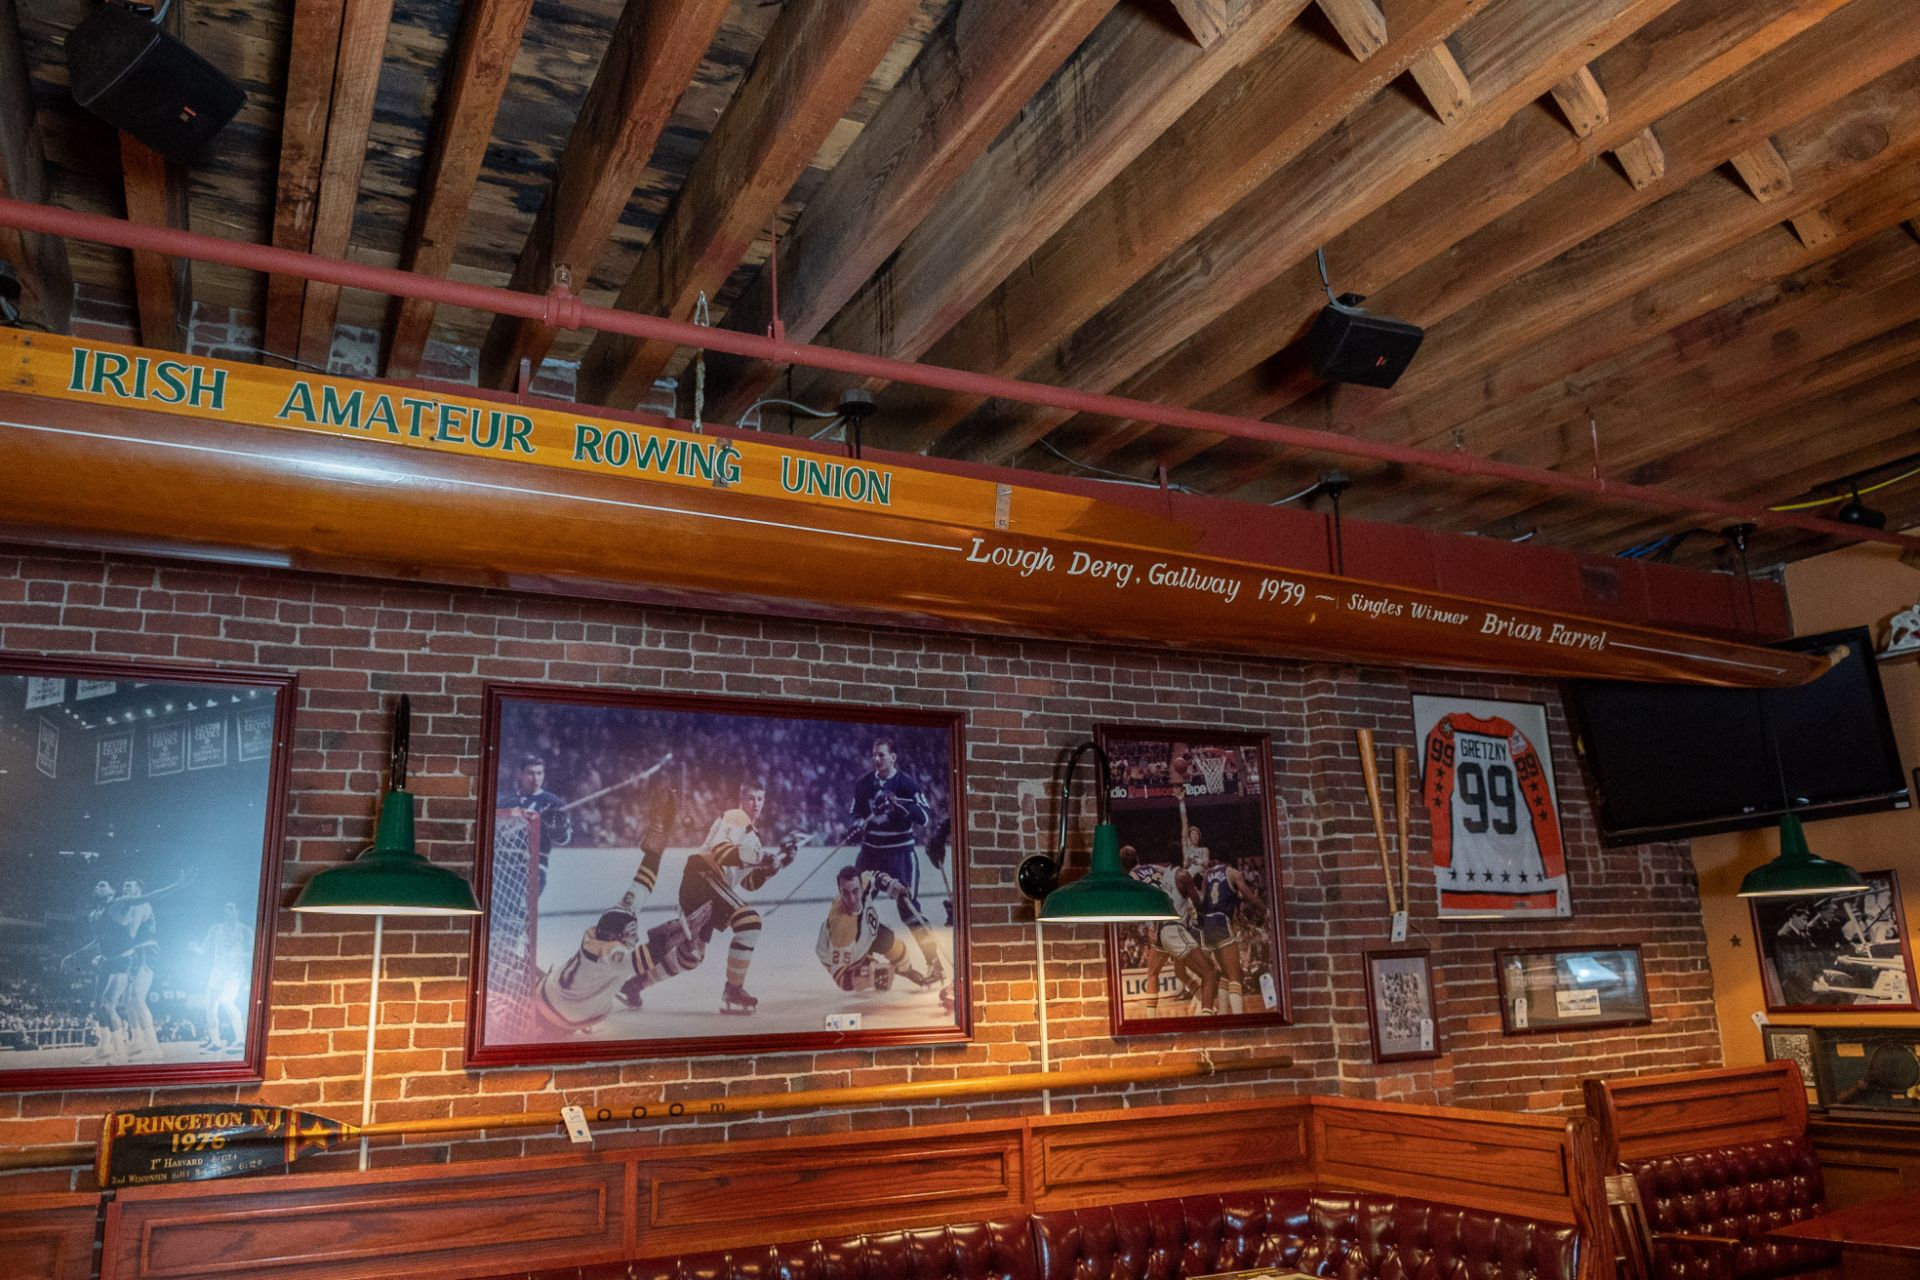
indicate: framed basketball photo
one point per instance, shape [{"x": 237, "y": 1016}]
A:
[
  {"x": 141, "y": 812},
  {"x": 1493, "y": 808},
  {"x": 687, "y": 875},
  {"x": 1194, "y": 810}
]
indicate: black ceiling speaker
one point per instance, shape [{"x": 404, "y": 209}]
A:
[
  {"x": 1347, "y": 344},
  {"x": 136, "y": 77}
]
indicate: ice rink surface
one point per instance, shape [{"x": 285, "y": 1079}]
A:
[{"x": 795, "y": 991}]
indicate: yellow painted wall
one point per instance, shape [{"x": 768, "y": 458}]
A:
[{"x": 1860, "y": 585}]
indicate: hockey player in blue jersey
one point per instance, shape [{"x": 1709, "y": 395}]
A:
[{"x": 887, "y": 806}]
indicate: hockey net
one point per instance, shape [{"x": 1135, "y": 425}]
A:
[{"x": 513, "y": 926}]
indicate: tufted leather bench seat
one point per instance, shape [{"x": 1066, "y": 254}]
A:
[
  {"x": 1342, "y": 1236},
  {"x": 1739, "y": 1192}
]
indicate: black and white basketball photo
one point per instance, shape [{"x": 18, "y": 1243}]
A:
[
  {"x": 673, "y": 874},
  {"x": 135, "y": 823}
]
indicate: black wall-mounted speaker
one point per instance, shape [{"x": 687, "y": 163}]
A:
[
  {"x": 1347, "y": 344},
  {"x": 136, "y": 77}
]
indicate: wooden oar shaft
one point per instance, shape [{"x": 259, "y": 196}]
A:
[{"x": 857, "y": 1095}]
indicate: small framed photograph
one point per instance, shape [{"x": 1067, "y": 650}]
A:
[
  {"x": 1194, "y": 812},
  {"x": 1571, "y": 989},
  {"x": 1835, "y": 951},
  {"x": 137, "y": 885},
  {"x": 1400, "y": 1011},
  {"x": 1869, "y": 1069},
  {"x": 1798, "y": 1046},
  {"x": 691, "y": 875}
]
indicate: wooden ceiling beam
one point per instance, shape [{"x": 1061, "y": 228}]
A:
[
  {"x": 1583, "y": 102},
  {"x": 1814, "y": 227},
  {"x": 46, "y": 274},
  {"x": 1360, "y": 23},
  {"x": 1642, "y": 158},
  {"x": 356, "y": 85},
  {"x": 313, "y": 52},
  {"x": 1131, "y": 81},
  {"x": 1206, "y": 162},
  {"x": 476, "y": 77},
  {"x": 1765, "y": 171},
  {"x": 655, "y": 48},
  {"x": 969, "y": 83},
  {"x": 815, "y": 59},
  {"x": 156, "y": 196},
  {"x": 1465, "y": 219},
  {"x": 1445, "y": 85},
  {"x": 1207, "y": 20}
]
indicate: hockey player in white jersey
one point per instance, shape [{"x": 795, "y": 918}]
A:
[
  {"x": 577, "y": 995},
  {"x": 859, "y": 952}
]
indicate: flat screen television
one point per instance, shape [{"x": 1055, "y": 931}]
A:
[{"x": 1670, "y": 761}]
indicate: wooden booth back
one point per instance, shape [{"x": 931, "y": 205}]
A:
[{"x": 443, "y": 1222}]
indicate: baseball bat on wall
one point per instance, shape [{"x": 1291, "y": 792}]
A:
[{"x": 1370, "y": 771}]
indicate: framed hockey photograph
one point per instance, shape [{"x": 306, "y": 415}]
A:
[
  {"x": 1493, "y": 808},
  {"x": 137, "y": 896},
  {"x": 1194, "y": 812},
  {"x": 1823, "y": 952},
  {"x": 692, "y": 875},
  {"x": 1400, "y": 1013},
  {"x": 1795, "y": 1045},
  {"x": 1572, "y": 988}
]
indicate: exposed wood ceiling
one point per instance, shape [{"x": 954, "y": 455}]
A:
[{"x": 1668, "y": 239}]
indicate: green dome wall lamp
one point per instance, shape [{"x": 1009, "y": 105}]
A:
[
  {"x": 389, "y": 878},
  {"x": 1798, "y": 871},
  {"x": 1106, "y": 894}
]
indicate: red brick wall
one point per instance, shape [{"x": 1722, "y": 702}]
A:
[{"x": 358, "y": 644}]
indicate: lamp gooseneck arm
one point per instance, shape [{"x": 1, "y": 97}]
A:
[{"x": 1104, "y": 770}]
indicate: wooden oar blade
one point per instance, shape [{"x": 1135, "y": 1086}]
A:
[{"x": 195, "y": 1142}]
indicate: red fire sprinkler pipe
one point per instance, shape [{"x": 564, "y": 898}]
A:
[{"x": 562, "y": 309}]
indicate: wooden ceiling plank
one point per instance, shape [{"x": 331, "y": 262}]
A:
[
  {"x": 1516, "y": 51},
  {"x": 314, "y": 49},
  {"x": 1645, "y": 163},
  {"x": 1814, "y": 227},
  {"x": 1764, "y": 170},
  {"x": 1582, "y": 101},
  {"x": 1129, "y": 83},
  {"x": 814, "y": 61},
  {"x": 1445, "y": 85},
  {"x": 1526, "y": 196},
  {"x": 46, "y": 274},
  {"x": 969, "y": 83},
  {"x": 156, "y": 196},
  {"x": 654, "y": 50},
  {"x": 1206, "y": 162},
  {"x": 475, "y": 78},
  {"x": 1360, "y": 23},
  {"x": 356, "y": 85}
]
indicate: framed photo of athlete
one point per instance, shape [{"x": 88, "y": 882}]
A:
[
  {"x": 688, "y": 875},
  {"x": 137, "y": 896},
  {"x": 1194, "y": 809},
  {"x": 1572, "y": 988},
  {"x": 1400, "y": 1014},
  {"x": 1822, "y": 952},
  {"x": 1493, "y": 808}
]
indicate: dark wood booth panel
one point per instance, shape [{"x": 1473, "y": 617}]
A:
[
  {"x": 1865, "y": 1160},
  {"x": 1695, "y": 1110},
  {"x": 49, "y": 1235},
  {"x": 448, "y": 1222}
]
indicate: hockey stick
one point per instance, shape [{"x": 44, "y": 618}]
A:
[
  {"x": 825, "y": 859},
  {"x": 196, "y": 1142},
  {"x": 641, "y": 776}
]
